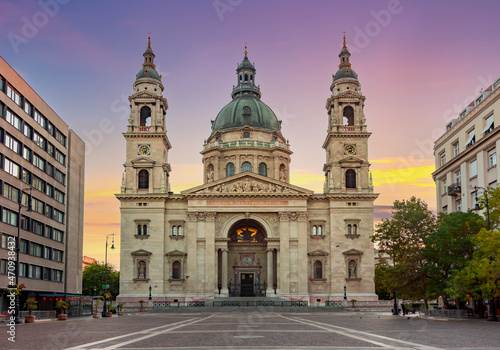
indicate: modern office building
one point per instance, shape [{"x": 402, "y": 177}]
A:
[
  {"x": 246, "y": 230},
  {"x": 42, "y": 160},
  {"x": 466, "y": 155}
]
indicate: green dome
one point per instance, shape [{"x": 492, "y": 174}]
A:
[
  {"x": 148, "y": 72},
  {"x": 246, "y": 110},
  {"x": 345, "y": 72}
]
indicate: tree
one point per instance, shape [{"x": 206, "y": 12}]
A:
[
  {"x": 384, "y": 286},
  {"x": 402, "y": 238},
  {"x": 447, "y": 250},
  {"x": 480, "y": 278},
  {"x": 93, "y": 275}
]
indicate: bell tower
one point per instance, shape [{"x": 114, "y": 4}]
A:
[
  {"x": 347, "y": 167},
  {"x": 146, "y": 167}
]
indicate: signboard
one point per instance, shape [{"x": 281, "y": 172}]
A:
[{"x": 105, "y": 286}]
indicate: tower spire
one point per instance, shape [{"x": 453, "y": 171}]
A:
[{"x": 246, "y": 53}]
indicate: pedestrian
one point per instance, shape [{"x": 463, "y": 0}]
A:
[{"x": 403, "y": 308}]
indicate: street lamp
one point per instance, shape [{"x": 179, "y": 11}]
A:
[
  {"x": 491, "y": 305},
  {"x": 17, "y": 320},
  {"x": 345, "y": 292},
  {"x": 104, "y": 313},
  {"x": 150, "y": 297},
  {"x": 395, "y": 309}
]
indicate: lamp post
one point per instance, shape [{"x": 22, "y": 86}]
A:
[
  {"x": 150, "y": 297},
  {"x": 17, "y": 320},
  {"x": 491, "y": 304},
  {"x": 104, "y": 313},
  {"x": 345, "y": 292},
  {"x": 395, "y": 307}
]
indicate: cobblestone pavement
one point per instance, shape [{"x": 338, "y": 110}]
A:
[{"x": 255, "y": 330}]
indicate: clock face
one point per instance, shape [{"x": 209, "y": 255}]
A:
[
  {"x": 349, "y": 149},
  {"x": 144, "y": 150}
]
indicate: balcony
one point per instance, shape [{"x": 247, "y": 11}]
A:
[
  {"x": 454, "y": 190},
  {"x": 256, "y": 144}
]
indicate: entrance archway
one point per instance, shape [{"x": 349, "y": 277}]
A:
[{"x": 247, "y": 259}]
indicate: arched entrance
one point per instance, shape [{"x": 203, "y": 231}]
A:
[{"x": 247, "y": 259}]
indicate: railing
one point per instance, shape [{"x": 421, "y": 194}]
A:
[
  {"x": 144, "y": 128},
  {"x": 333, "y": 303},
  {"x": 259, "y": 144},
  {"x": 454, "y": 189},
  {"x": 40, "y": 314},
  {"x": 349, "y": 128},
  {"x": 254, "y": 303}
]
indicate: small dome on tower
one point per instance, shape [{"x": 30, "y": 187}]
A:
[
  {"x": 345, "y": 70},
  {"x": 148, "y": 67}
]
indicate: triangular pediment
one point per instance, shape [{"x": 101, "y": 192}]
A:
[
  {"x": 353, "y": 252},
  {"x": 247, "y": 184},
  {"x": 141, "y": 252},
  {"x": 142, "y": 161},
  {"x": 318, "y": 252},
  {"x": 351, "y": 160},
  {"x": 176, "y": 252}
]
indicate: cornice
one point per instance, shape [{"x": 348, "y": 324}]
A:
[
  {"x": 465, "y": 154},
  {"x": 486, "y": 103}
]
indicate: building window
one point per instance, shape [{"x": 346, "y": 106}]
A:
[
  {"x": 246, "y": 166},
  {"x": 320, "y": 230},
  {"x": 229, "y": 169},
  {"x": 473, "y": 168},
  {"x": 176, "y": 230},
  {"x": 61, "y": 138},
  {"x": 39, "y": 140},
  {"x": 318, "y": 270},
  {"x": 57, "y": 275},
  {"x": 14, "y": 96},
  {"x": 353, "y": 269},
  {"x": 11, "y": 142},
  {"x": 445, "y": 209},
  {"x": 246, "y": 135},
  {"x": 456, "y": 149},
  {"x": 443, "y": 159},
  {"x": 47, "y": 253},
  {"x": 24, "y": 246},
  {"x": 471, "y": 139},
  {"x": 474, "y": 200},
  {"x": 36, "y": 249},
  {"x": 27, "y": 131},
  {"x": 39, "y": 162},
  {"x": 492, "y": 158},
  {"x": 142, "y": 230},
  {"x": 38, "y": 183},
  {"x": 40, "y": 119},
  {"x": 459, "y": 205},
  {"x": 27, "y": 154},
  {"x": 11, "y": 167},
  {"x": 176, "y": 270},
  {"x": 445, "y": 188},
  {"x": 61, "y": 158},
  {"x": 57, "y": 255},
  {"x": 59, "y": 196},
  {"x": 350, "y": 178},
  {"x": 458, "y": 178},
  {"x": 143, "y": 179},
  {"x": 28, "y": 108},
  {"x": 315, "y": 230},
  {"x": 145, "y": 116},
  {"x": 10, "y": 192},
  {"x": 9, "y": 217},
  {"x": 13, "y": 119},
  {"x": 489, "y": 125},
  {"x": 263, "y": 169}
]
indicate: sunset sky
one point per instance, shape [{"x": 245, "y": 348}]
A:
[{"x": 419, "y": 63}]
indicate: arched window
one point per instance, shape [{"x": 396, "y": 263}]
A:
[
  {"x": 349, "y": 115},
  {"x": 315, "y": 230},
  {"x": 145, "y": 116},
  {"x": 139, "y": 230},
  {"x": 246, "y": 77},
  {"x": 176, "y": 270},
  {"x": 229, "y": 169},
  {"x": 355, "y": 229},
  {"x": 179, "y": 230},
  {"x": 353, "y": 269},
  {"x": 349, "y": 229},
  {"x": 241, "y": 77},
  {"x": 174, "y": 230},
  {"x": 144, "y": 229},
  {"x": 318, "y": 269},
  {"x": 263, "y": 169},
  {"x": 143, "y": 179},
  {"x": 350, "y": 179},
  {"x": 246, "y": 167},
  {"x": 320, "y": 230},
  {"x": 251, "y": 77}
]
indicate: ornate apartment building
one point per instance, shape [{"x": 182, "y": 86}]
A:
[
  {"x": 42, "y": 159},
  {"x": 246, "y": 230},
  {"x": 466, "y": 155}
]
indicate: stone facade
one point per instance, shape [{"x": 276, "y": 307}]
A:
[{"x": 246, "y": 230}]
